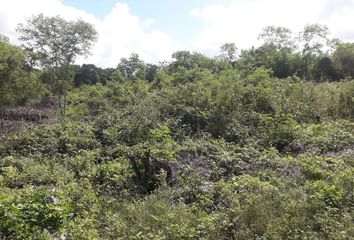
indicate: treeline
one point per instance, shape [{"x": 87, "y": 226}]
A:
[{"x": 309, "y": 55}]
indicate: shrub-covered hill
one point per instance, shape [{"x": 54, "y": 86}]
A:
[{"x": 193, "y": 154}]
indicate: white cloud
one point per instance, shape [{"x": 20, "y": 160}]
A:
[
  {"x": 242, "y": 20},
  {"x": 120, "y": 33}
]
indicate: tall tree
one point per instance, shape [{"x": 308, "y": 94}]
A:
[
  {"x": 228, "y": 51},
  {"x": 57, "y": 43},
  {"x": 314, "y": 37},
  {"x": 130, "y": 69},
  {"x": 279, "y": 37}
]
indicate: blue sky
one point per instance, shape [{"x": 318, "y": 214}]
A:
[{"x": 156, "y": 28}]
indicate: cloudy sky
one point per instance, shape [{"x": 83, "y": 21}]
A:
[{"x": 156, "y": 28}]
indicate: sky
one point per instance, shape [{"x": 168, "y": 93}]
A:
[{"x": 156, "y": 28}]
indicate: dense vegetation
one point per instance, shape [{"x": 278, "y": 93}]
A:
[{"x": 255, "y": 146}]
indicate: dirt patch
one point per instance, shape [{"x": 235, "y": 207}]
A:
[{"x": 13, "y": 119}]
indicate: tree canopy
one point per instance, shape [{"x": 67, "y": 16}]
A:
[
  {"x": 55, "y": 41},
  {"x": 55, "y": 44}
]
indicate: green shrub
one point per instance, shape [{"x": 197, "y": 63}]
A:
[{"x": 27, "y": 213}]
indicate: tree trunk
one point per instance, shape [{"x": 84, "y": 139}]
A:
[
  {"x": 64, "y": 102},
  {"x": 59, "y": 102}
]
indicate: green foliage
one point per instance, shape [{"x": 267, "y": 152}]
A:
[
  {"x": 198, "y": 148},
  {"x": 114, "y": 177},
  {"x": 18, "y": 85},
  {"x": 25, "y": 212},
  {"x": 344, "y": 59},
  {"x": 325, "y": 69},
  {"x": 90, "y": 74},
  {"x": 43, "y": 35},
  {"x": 326, "y": 137},
  {"x": 278, "y": 131},
  {"x": 62, "y": 139},
  {"x": 161, "y": 145},
  {"x": 130, "y": 69}
]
